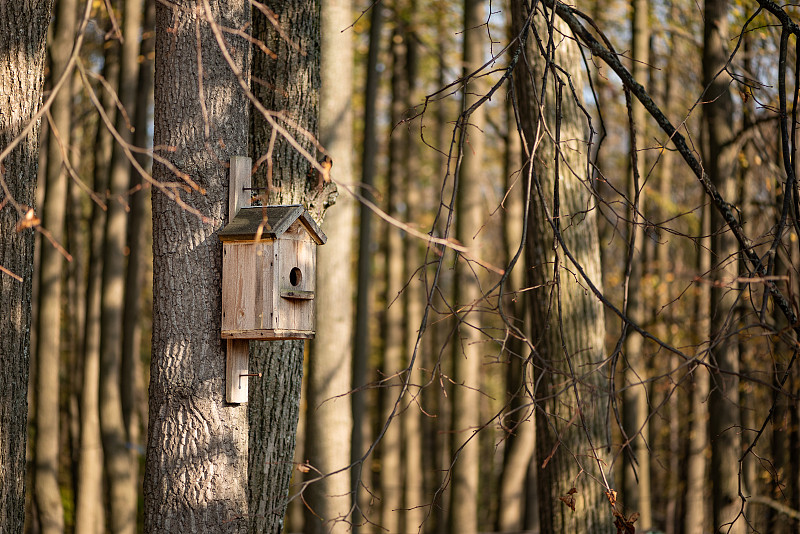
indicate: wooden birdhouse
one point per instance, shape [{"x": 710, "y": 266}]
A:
[{"x": 268, "y": 275}]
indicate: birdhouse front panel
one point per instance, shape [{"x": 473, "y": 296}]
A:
[
  {"x": 295, "y": 258},
  {"x": 247, "y": 292}
]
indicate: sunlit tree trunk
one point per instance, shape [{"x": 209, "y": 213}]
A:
[
  {"x": 467, "y": 348},
  {"x": 196, "y": 471},
  {"x": 24, "y": 25},
  {"x": 329, "y": 414},
  {"x": 568, "y": 329},
  {"x": 48, "y": 331},
  {"x": 724, "y": 419},
  {"x": 117, "y": 455}
]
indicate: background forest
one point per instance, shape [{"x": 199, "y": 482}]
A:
[{"x": 559, "y": 293}]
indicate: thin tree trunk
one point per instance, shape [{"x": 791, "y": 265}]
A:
[
  {"x": 695, "y": 519},
  {"x": 196, "y": 471},
  {"x": 568, "y": 322},
  {"x": 636, "y": 480},
  {"x": 470, "y": 215},
  {"x": 329, "y": 419},
  {"x": 132, "y": 387},
  {"x": 120, "y": 472},
  {"x": 724, "y": 400},
  {"x": 21, "y": 81},
  {"x": 287, "y": 83},
  {"x": 390, "y": 449},
  {"x": 414, "y": 300},
  {"x": 89, "y": 513},
  {"x": 46, "y": 447},
  {"x": 365, "y": 293}
]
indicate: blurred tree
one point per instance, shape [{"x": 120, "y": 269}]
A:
[
  {"x": 48, "y": 320},
  {"x": 329, "y": 419}
]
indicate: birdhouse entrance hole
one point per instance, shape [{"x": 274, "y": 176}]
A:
[{"x": 295, "y": 276}]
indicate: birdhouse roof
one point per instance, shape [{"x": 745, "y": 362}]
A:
[{"x": 278, "y": 219}]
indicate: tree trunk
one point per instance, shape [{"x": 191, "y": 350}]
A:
[
  {"x": 329, "y": 419},
  {"x": 719, "y": 160},
  {"x": 23, "y": 25},
  {"x": 390, "y": 480},
  {"x": 365, "y": 293},
  {"x": 89, "y": 513},
  {"x": 287, "y": 84},
  {"x": 467, "y": 348},
  {"x": 117, "y": 453},
  {"x": 568, "y": 321},
  {"x": 636, "y": 480},
  {"x": 48, "y": 331},
  {"x": 196, "y": 470}
]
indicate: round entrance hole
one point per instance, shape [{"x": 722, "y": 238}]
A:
[{"x": 295, "y": 276}]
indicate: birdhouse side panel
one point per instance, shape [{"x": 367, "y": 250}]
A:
[{"x": 295, "y": 280}]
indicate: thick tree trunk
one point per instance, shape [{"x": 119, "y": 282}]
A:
[
  {"x": 48, "y": 329},
  {"x": 196, "y": 470},
  {"x": 636, "y": 473},
  {"x": 23, "y": 27},
  {"x": 287, "y": 84},
  {"x": 329, "y": 419},
  {"x": 719, "y": 160},
  {"x": 568, "y": 329},
  {"x": 117, "y": 454},
  {"x": 467, "y": 348}
]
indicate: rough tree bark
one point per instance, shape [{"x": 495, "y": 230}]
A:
[
  {"x": 196, "y": 470},
  {"x": 329, "y": 419},
  {"x": 568, "y": 323},
  {"x": 23, "y": 36},
  {"x": 287, "y": 84}
]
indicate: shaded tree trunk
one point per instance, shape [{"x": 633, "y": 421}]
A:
[
  {"x": 724, "y": 422},
  {"x": 568, "y": 321},
  {"x": 196, "y": 471},
  {"x": 636, "y": 473},
  {"x": 48, "y": 329},
  {"x": 329, "y": 423},
  {"x": 23, "y": 25},
  {"x": 288, "y": 84},
  {"x": 90, "y": 508}
]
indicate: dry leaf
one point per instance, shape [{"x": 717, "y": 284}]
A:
[
  {"x": 569, "y": 498},
  {"x": 29, "y": 220}
]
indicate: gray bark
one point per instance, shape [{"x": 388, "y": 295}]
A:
[
  {"x": 196, "y": 470},
  {"x": 287, "y": 84},
  {"x": 23, "y": 26},
  {"x": 568, "y": 322}
]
